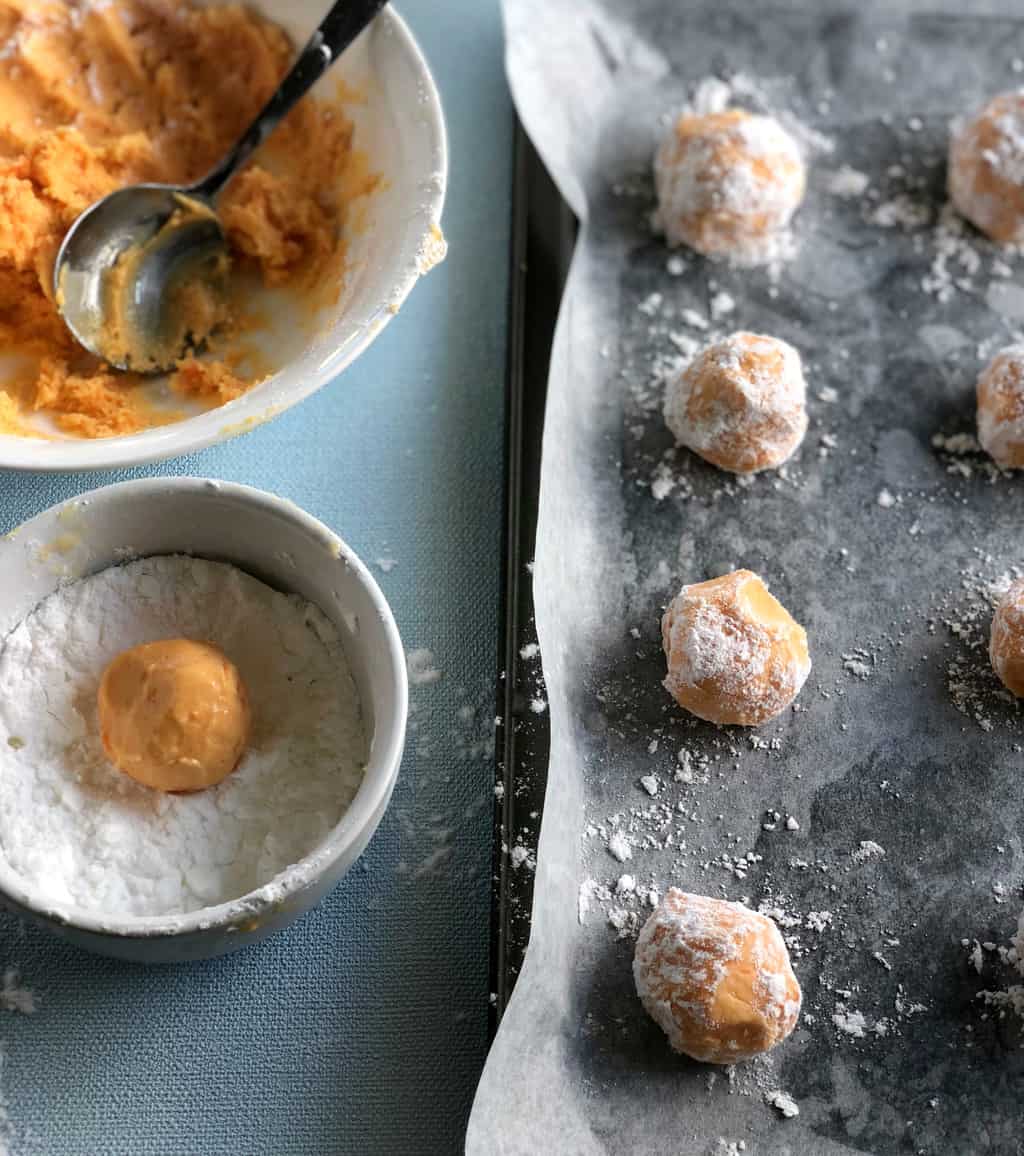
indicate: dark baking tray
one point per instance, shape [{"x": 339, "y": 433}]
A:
[{"x": 543, "y": 235}]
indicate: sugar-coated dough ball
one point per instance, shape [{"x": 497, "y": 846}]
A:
[
  {"x": 986, "y": 168},
  {"x": 734, "y": 654},
  {"x": 174, "y": 714},
  {"x": 728, "y": 183},
  {"x": 741, "y": 403},
  {"x": 716, "y": 977},
  {"x": 1006, "y": 644},
  {"x": 1001, "y": 407}
]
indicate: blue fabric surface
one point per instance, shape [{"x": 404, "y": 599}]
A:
[{"x": 363, "y": 1028}]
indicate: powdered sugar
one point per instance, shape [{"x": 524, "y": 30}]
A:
[
  {"x": 79, "y": 832},
  {"x": 14, "y": 997}
]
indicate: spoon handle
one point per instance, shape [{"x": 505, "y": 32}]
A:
[{"x": 344, "y": 22}]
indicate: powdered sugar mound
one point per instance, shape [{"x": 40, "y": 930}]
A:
[{"x": 79, "y": 832}]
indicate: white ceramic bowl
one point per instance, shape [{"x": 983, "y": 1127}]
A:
[
  {"x": 400, "y": 128},
  {"x": 272, "y": 539}
]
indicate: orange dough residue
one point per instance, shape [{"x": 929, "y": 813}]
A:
[
  {"x": 207, "y": 380},
  {"x": 94, "y": 97}
]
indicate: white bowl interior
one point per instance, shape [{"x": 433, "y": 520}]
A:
[
  {"x": 400, "y": 129},
  {"x": 273, "y": 540}
]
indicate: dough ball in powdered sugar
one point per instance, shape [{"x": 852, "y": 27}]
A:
[
  {"x": 1001, "y": 407},
  {"x": 1006, "y": 644},
  {"x": 716, "y": 977},
  {"x": 734, "y": 654},
  {"x": 728, "y": 183},
  {"x": 986, "y": 167},
  {"x": 741, "y": 403}
]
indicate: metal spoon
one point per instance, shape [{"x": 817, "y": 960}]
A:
[{"x": 140, "y": 272}]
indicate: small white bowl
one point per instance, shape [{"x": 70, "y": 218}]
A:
[
  {"x": 400, "y": 129},
  {"x": 272, "y": 539}
]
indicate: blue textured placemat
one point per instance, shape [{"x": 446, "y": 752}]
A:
[{"x": 364, "y": 1027}]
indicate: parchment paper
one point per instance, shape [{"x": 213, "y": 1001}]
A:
[{"x": 900, "y": 774}]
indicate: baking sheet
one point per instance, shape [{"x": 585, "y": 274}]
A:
[{"x": 900, "y": 772}]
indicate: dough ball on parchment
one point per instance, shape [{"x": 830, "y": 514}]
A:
[
  {"x": 728, "y": 183},
  {"x": 1001, "y": 407},
  {"x": 741, "y": 403},
  {"x": 716, "y": 977},
  {"x": 986, "y": 168},
  {"x": 734, "y": 654},
  {"x": 1006, "y": 642}
]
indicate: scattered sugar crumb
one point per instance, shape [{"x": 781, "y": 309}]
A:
[
  {"x": 783, "y": 1103},
  {"x": 650, "y": 784},
  {"x": 619, "y": 847},
  {"x": 420, "y": 663},
  {"x": 14, "y": 997},
  {"x": 867, "y": 849},
  {"x": 852, "y": 1023},
  {"x": 847, "y": 182},
  {"x": 722, "y": 304}
]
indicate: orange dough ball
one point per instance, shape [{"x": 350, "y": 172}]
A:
[
  {"x": 734, "y": 654},
  {"x": 1001, "y": 407},
  {"x": 728, "y": 183},
  {"x": 174, "y": 714},
  {"x": 986, "y": 168},
  {"x": 741, "y": 403},
  {"x": 716, "y": 977},
  {"x": 1006, "y": 643}
]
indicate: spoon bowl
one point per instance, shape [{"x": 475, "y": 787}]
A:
[
  {"x": 162, "y": 239},
  {"x": 141, "y": 274}
]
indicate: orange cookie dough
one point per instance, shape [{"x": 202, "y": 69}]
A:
[
  {"x": 741, "y": 403},
  {"x": 94, "y": 97},
  {"x": 1001, "y": 408},
  {"x": 716, "y": 978},
  {"x": 728, "y": 183},
  {"x": 174, "y": 714},
  {"x": 734, "y": 654},
  {"x": 1006, "y": 644},
  {"x": 986, "y": 168}
]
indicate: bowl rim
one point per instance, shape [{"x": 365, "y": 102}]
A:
[
  {"x": 359, "y": 819},
  {"x": 18, "y": 452}
]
